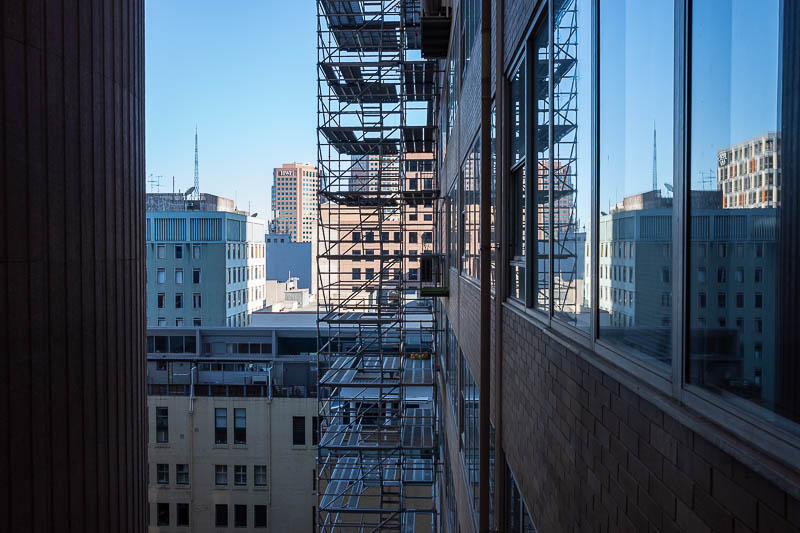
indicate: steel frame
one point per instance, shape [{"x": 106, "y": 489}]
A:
[{"x": 377, "y": 459}]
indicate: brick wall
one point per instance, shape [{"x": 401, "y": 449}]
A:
[{"x": 590, "y": 454}]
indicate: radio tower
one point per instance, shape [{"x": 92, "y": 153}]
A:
[
  {"x": 655, "y": 172},
  {"x": 196, "y": 172}
]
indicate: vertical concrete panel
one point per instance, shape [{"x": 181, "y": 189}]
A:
[{"x": 71, "y": 266}]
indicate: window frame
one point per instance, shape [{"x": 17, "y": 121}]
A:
[{"x": 757, "y": 426}]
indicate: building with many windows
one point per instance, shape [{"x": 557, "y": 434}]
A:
[
  {"x": 749, "y": 173},
  {"x": 294, "y": 201},
  {"x": 205, "y": 267},
  {"x": 662, "y": 396},
  {"x": 233, "y": 431}
]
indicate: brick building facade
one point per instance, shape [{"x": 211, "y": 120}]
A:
[{"x": 586, "y": 434}]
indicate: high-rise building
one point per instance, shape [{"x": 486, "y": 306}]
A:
[
  {"x": 205, "y": 262},
  {"x": 749, "y": 173},
  {"x": 657, "y": 395},
  {"x": 233, "y": 427},
  {"x": 294, "y": 201}
]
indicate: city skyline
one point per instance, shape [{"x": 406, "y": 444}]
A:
[{"x": 247, "y": 123}]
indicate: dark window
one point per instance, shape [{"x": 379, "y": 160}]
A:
[
  {"x": 221, "y": 515},
  {"x": 221, "y": 426},
  {"x": 182, "y": 518},
  {"x": 314, "y": 430},
  {"x": 162, "y": 425},
  {"x": 240, "y": 515},
  {"x": 412, "y": 237},
  {"x": 178, "y": 251},
  {"x": 239, "y": 426},
  {"x": 179, "y": 300},
  {"x": 162, "y": 474},
  {"x": 195, "y": 275},
  {"x": 298, "y": 430},
  {"x": 163, "y": 514},
  {"x": 259, "y": 516}
]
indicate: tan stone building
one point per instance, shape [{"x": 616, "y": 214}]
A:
[
  {"x": 232, "y": 418},
  {"x": 294, "y": 200}
]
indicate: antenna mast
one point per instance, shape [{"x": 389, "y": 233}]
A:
[
  {"x": 196, "y": 171},
  {"x": 655, "y": 171}
]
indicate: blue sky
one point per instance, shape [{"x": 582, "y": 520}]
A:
[{"x": 245, "y": 73}]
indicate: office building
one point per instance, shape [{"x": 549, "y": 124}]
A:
[
  {"x": 294, "y": 200},
  {"x": 749, "y": 173},
  {"x": 204, "y": 267},
  {"x": 664, "y": 402},
  {"x": 233, "y": 427},
  {"x": 73, "y": 444}
]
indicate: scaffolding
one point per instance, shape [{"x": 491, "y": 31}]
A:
[
  {"x": 377, "y": 458},
  {"x": 559, "y": 181}
]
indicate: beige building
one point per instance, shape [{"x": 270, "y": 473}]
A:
[
  {"x": 232, "y": 418},
  {"x": 294, "y": 200},
  {"x": 371, "y": 245},
  {"x": 748, "y": 173}
]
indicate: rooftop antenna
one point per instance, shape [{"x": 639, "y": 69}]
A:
[
  {"x": 196, "y": 169},
  {"x": 173, "y": 184},
  {"x": 154, "y": 181},
  {"x": 655, "y": 171}
]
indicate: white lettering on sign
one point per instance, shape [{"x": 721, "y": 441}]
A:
[{"x": 286, "y": 173}]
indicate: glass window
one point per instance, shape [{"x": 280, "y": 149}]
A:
[
  {"x": 518, "y": 114},
  {"x": 240, "y": 475},
  {"x": 240, "y": 425},
  {"x": 162, "y": 517},
  {"x": 260, "y": 475},
  {"x": 182, "y": 474},
  {"x": 221, "y": 474},
  {"x": 259, "y": 516},
  {"x": 570, "y": 178},
  {"x": 162, "y": 425},
  {"x": 636, "y": 174},
  {"x": 736, "y": 101},
  {"x": 470, "y": 211},
  {"x": 517, "y": 266},
  {"x": 161, "y": 251},
  {"x": 178, "y": 251},
  {"x": 298, "y": 430},
  {"x": 178, "y": 275},
  {"x": 162, "y": 474},
  {"x": 221, "y": 515},
  {"x": 221, "y": 425},
  {"x": 452, "y": 235},
  {"x": 470, "y": 431},
  {"x": 182, "y": 515},
  {"x": 161, "y": 275},
  {"x": 541, "y": 188}
]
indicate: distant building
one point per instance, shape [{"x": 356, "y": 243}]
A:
[
  {"x": 294, "y": 201},
  {"x": 733, "y": 253},
  {"x": 748, "y": 173},
  {"x": 233, "y": 427},
  {"x": 286, "y": 258},
  {"x": 205, "y": 267}
]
